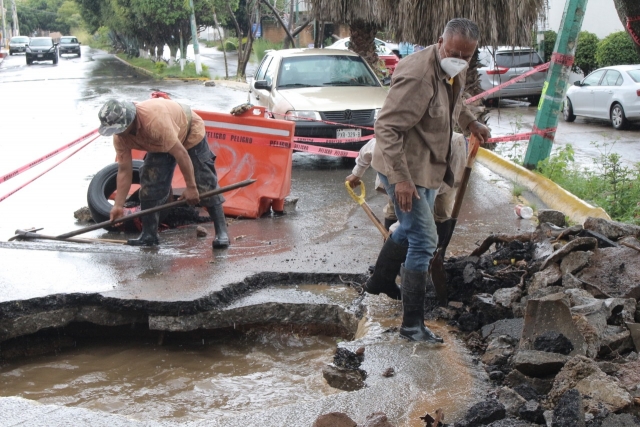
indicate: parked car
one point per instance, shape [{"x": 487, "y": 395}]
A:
[
  {"x": 393, "y": 47},
  {"x": 69, "y": 44},
  {"x": 315, "y": 86},
  {"x": 42, "y": 49},
  {"x": 500, "y": 65},
  {"x": 18, "y": 44},
  {"x": 610, "y": 93},
  {"x": 390, "y": 59}
]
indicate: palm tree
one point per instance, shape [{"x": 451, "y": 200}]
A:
[{"x": 630, "y": 9}]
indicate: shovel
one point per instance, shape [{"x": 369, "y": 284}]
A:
[
  {"x": 66, "y": 236},
  {"x": 445, "y": 229},
  {"x": 360, "y": 200}
]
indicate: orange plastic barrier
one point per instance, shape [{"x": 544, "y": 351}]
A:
[{"x": 248, "y": 146}]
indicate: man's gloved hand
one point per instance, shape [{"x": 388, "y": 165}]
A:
[{"x": 241, "y": 109}]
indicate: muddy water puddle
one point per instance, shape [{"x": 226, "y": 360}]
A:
[{"x": 179, "y": 382}]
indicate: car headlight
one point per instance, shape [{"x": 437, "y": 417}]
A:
[
  {"x": 302, "y": 115},
  {"x": 375, "y": 114}
]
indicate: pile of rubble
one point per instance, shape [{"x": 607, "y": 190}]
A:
[{"x": 553, "y": 315}]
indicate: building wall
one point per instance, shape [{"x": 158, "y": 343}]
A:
[{"x": 600, "y": 17}]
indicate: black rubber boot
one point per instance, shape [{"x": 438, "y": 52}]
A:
[
  {"x": 383, "y": 280},
  {"x": 149, "y": 235},
  {"x": 220, "y": 224},
  {"x": 414, "y": 285},
  {"x": 389, "y": 222}
]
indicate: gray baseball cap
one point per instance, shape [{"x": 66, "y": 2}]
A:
[{"x": 116, "y": 116}]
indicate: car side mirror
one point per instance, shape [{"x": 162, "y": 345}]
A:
[
  {"x": 262, "y": 84},
  {"x": 577, "y": 83},
  {"x": 386, "y": 81}
]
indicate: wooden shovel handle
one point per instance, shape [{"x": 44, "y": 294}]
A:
[{"x": 474, "y": 144}]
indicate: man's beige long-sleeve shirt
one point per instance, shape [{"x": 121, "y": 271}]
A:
[{"x": 413, "y": 130}]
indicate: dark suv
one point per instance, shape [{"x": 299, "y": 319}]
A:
[
  {"x": 42, "y": 49},
  {"x": 18, "y": 44},
  {"x": 69, "y": 44}
]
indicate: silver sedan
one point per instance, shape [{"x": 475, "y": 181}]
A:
[{"x": 611, "y": 93}]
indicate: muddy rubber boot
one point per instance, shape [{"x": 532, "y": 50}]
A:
[
  {"x": 149, "y": 235},
  {"x": 383, "y": 280},
  {"x": 414, "y": 285},
  {"x": 220, "y": 224}
]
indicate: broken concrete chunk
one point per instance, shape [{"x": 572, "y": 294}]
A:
[
  {"x": 569, "y": 411},
  {"x": 210, "y": 83},
  {"x": 579, "y": 297},
  {"x": 634, "y": 329},
  {"x": 615, "y": 271},
  {"x": 595, "y": 386},
  {"x": 553, "y": 342},
  {"x": 511, "y": 400},
  {"x": 523, "y": 384},
  {"x": 575, "y": 262},
  {"x": 344, "y": 379},
  {"x": 482, "y": 414},
  {"x": 569, "y": 281},
  {"x": 615, "y": 339},
  {"x": 498, "y": 351},
  {"x": 538, "y": 363},
  {"x": 556, "y": 218},
  {"x": 612, "y": 229},
  {"x": 469, "y": 274},
  {"x": 620, "y": 310},
  {"x": 509, "y": 327},
  {"x": 620, "y": 420},
  {"x": 532, "y": 411},
  {"x": 334, "y": 419},
  {"x": 506, "y": 296},
  {"x": 603, "y": 241},
  {"x": 201, "y": 231},
  {"x": 486, "y": 309},
  {"x": 578, "y": 244},
  {"x": 551, "y": 315},
  {"x": 550, "y": 276}
]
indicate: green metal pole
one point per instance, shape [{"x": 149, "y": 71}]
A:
[
  {"x": 194, "y": 33},
  {"x": 555, "y": 87}
]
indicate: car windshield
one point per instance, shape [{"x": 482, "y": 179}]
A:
[
  {"x": 68, "y": 40},
  {"x": 635, "y": 75},
  {"x": 325, "y": 70},
  {"x": 518, "y": 59},
  {"x": 41, "y": 42},
  {"x": 20, "y": 40}
]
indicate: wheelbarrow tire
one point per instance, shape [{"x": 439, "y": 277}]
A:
[{"x": 102, "y": 186}]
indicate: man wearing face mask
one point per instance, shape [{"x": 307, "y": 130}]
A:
[{"x": 412, "y": 156}]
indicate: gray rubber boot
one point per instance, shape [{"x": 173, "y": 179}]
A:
[
  {"x": 220, "y": 224},
  {"x": 383, "y": 280},
  {"x": 414, "y": 285},
  {"x": 149, "y": 235}
]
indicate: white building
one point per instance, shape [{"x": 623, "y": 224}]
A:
[{"x": 600, "y": 18}]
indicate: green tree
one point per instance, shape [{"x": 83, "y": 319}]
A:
[
  {"x": 616, "y": 49},
  {"x": 68, "y": 16},
  {"x": 586, "y": 52}
]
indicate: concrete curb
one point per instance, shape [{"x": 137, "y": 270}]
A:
[
  {"x": 554, "y": 196},
  {"x": 152, "y": 74}
]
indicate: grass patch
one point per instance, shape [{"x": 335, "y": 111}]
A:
[
  {"x": 609, "y": 183},
  {"x": 517, "y": 190},
  {"x": 260, "y": 47},
  {"x": 160, "y": 69}
]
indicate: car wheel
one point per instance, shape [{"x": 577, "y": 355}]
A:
[
  {"x": 10, "y": 52},
  {"x": 79, "y": 54},
  {"x": 618, "y": 119},
  {"x": 102, "y": 186},
  {"x": 29, "y": 61},
  {"x": 567, "y": 111},
  {"x": 55, "y": 60},
  {"x": 534, "y": 100}
]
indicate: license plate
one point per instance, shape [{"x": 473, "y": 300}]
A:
[
  {"x": 39, "y": 56},
  {"x": 348, "y": 133}
]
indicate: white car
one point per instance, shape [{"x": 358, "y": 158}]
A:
[
  {"x": 344, "y": 44},
  {"x": 500, "y": 65},
  {"x": 611, "y": 93},
  {"x": 331, "y": 95}
]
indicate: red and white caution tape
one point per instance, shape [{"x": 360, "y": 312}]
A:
[
  {"x": 332, "y": 140},
  {"x": 634, "y": 35},
  {"x": 515, "y": 80},
  {"x": 38, "y": 176},
  {"x": 314, "y": 149},
  {"x": 36, "y": 162}
]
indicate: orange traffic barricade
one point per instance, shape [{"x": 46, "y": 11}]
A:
[{"x": 246, "y": 146}]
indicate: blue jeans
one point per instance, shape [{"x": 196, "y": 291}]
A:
[{"x": 417, "y": 227}]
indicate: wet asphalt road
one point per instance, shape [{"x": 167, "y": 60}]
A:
[{"x": 46, "y": 106}]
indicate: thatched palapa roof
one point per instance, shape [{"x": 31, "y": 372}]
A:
[{"x": 501, "y": 22}]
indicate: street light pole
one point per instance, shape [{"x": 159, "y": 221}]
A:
[
  {"x": 194, "y": 33},
  {"x": 16, "y": 27},
  {"x": 4, "y": 24}
]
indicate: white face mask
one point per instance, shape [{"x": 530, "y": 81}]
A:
[{"x": 453, "y": 66}]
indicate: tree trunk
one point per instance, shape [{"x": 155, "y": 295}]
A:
[
  {"x": 173, "y": 53},
  {"x": 362, "y": 42},
  {"x": 285, "y": 45},
  {"x": 630, "y": 9},
  {"x": 224, "y": 50},
  {"x": 279, "y": 19},
  {"x": 252, "y": 7}
]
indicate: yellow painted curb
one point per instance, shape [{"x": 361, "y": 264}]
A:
[{"x": 554, "y": 196}]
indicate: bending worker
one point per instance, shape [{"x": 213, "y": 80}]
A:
[
  {"x": 412, "y": 156},
  {"x": 170, "y": 133}
]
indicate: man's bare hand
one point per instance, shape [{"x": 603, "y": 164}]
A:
[
  {"x": 480, "y": 131},
  {"x": 116, "y": 213},
  {"x": 191, "y": 195},
  {"x": 405, "y": 192},
  {"x": 353, "y": 181}
]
